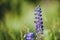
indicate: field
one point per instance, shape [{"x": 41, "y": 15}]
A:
[{"x": 17, "y": 19}]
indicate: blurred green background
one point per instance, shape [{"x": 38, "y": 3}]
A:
[{"x": 17, "y": 19}]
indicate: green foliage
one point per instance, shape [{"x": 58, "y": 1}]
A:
[{"x": 19, "y": 20}]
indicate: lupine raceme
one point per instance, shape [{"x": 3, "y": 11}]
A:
[{"x": 39, "y": 22}]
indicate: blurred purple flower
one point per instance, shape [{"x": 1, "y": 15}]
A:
[
  {"x": 30, "y": 36},
  {"x": 39, "y": 22}
]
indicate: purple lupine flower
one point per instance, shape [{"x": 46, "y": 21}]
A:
[
  {"x": 39, "y": 21},
  {"x": 30, "y": 36}
]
